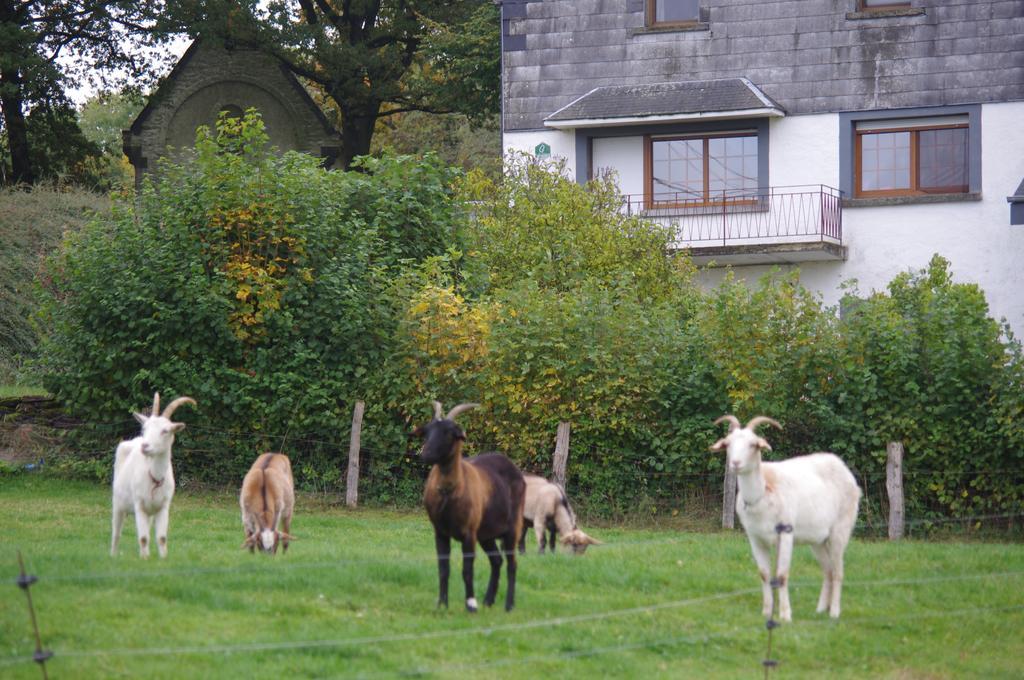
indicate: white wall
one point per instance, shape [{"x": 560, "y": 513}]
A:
[
  {"x": 562, "y": 143},
  {"x": 803, "y": 150},
  {"x": 624, "y": 155},
  {"x": 975, "y": 236}
]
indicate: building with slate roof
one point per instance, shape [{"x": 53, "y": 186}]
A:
[
  {"x": 209, "y": 79},
  {"x": 848, "y": 139}
]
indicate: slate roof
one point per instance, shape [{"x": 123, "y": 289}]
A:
[{"x": 724, "y": 95}]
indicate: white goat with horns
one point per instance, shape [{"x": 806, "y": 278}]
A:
[
  {"x": 143, "y": 478},
  {"x": 814, "y": 498}
]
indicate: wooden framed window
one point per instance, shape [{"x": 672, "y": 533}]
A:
[
  {"x": 699, "y": 170},
  {"x": 906, "y": 159},
  {"x": 673, "y": 12},
  {"x": 878, "y": 5}
]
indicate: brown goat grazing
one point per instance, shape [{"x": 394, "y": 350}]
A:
[
  {"x": 267, "y": 500},
  {"x": 470, "y": 500}
]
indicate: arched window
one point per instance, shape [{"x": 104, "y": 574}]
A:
[{"x": 231, "y": 110}]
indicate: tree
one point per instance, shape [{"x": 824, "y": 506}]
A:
[
  {"x": 102, "y": 118},
  {"x": 43, "y": 44},
  {"x": 104, "y": 115},
  {"x": 453, "y": 137},
  {"x": 369, "y": 59}
]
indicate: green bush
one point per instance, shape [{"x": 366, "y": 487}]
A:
[
  {"x": 928, "y": 366},
  {"x": 257, "y": 284},
  {"x": 277, "y": 294}
]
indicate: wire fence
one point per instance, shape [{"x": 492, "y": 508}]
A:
[
  {"x": 553, "y": 622},
  {"x": 425, "y": 557},
  {"x": 393, "y": 476}
]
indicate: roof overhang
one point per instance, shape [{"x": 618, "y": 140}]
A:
[
  {"x": 663, "y": 103},
  {"x": 763, "y": 112}
]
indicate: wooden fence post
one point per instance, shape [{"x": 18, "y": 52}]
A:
[
  {"x": 561, "y": 453},
  {"x": 729, "y": 498},
  {"x": 352, "y": 481},
  {"x": 894, "y": 487}
]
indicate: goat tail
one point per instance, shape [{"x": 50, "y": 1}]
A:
[{"x": 120, "y": 455}]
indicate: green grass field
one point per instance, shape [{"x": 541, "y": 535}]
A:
[{"x": 354, "y": 597}]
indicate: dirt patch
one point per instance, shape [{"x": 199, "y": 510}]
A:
[{"x": 30, "y": 428}]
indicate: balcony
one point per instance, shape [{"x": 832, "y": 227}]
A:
[{"x": 776, "y": 225}]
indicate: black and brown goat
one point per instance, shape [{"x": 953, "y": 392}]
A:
[{"x": 470, "y": 500}]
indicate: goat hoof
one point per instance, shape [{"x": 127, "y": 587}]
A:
[{"x": 471, "y": 606}]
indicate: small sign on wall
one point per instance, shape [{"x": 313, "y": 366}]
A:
[{"x": 542, "y": 150}]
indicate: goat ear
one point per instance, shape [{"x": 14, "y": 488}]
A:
[
  {"x": 285, "y": 536},
  {"x": 141, "y": 418},
  {"x": 593, "y": 541},
  {"x": 763, "y": 445},
  {"x": 418, "y": 432},
  {"x": 177, "y": 427},
  {"x": 719, "y": 445}
]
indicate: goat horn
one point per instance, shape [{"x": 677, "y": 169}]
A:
[
  {"x": 461, "y": 408},
  {"x": 438, "y": 411},
  {"x": 156, "y": 404},
  {"x": 173, "y": 406},
  {"x": 733, "y": 421},
  {"x": 758, "y": 420}
]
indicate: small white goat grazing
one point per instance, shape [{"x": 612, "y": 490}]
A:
[
  {"x": 143, "y": 478},
  {"x": 815, "y": 494},
  {"x": 547, "y": 508},
  {"x": 267, "y": 500}
]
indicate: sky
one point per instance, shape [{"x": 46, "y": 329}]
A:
[{"x": 81, "y": 91}]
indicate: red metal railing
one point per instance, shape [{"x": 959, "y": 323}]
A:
[{"x": 795, "y": 214}]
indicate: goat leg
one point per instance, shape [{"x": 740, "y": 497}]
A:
[
  {"x": 116, "y": 524},
  {"x": 468, "y": 557},
  {"x": 490, "y": 546},
  {"x": 162, "y": 520},
  {"x": 508, "y": 543},
  {"x": 444, "y": 562}
]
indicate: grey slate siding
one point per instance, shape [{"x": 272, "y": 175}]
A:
[{"x": 805, "y": 54}]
